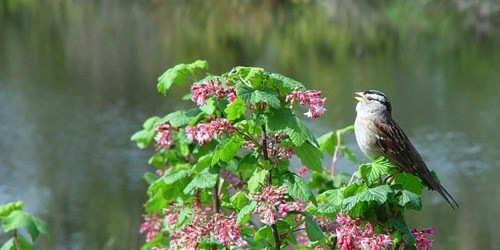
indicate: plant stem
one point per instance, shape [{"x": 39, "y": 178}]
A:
[
  {"x": 276, "y": 236},
  {"x": 335, "y": 154},
  {"x": 16, "y": 241},
  {"x": 215, "y": 197}
]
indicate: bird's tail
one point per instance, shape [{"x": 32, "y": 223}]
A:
[{"x": 434, "y": 184}]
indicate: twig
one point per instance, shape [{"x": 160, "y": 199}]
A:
[
  {"x": 16, "y": 241},
  {"x": 335, "y": 154},
  {"x": 276, "y": 236}
]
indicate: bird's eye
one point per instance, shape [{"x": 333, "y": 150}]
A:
[{"x": 369, "y": 98}]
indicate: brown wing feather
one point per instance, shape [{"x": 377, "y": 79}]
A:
[{"x": 396, "y": 147}]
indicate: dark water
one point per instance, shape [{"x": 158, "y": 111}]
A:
[{"x": 77, "y": 78}]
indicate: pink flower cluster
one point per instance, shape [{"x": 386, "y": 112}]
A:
[
  {"x": 309, "y": 97},
  {"x": 271, "y": 203},
  {"x": 203, "y": 90},
  {"x": 353, "y": 234},
  {"x": 151, "y": 225},
  {"x": 164, "y": 136},
  {"x": 203, "y": 133},
  {"x": 421, "y": 242},
  {"x": 223, "y": 228}
]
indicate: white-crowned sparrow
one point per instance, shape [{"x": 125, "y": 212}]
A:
[{"x": 378, "y": 135}]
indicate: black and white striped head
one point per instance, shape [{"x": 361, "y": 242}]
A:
[{"x": 373, "y": 102}]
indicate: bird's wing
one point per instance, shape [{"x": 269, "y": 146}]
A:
[{"x": 395, "y": 146}]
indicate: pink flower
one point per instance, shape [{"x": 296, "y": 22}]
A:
[
  {"x": 309, "y": 97},
  {"x": 271, "y": 204},
  {"x": 203, "y": 90},
  {"x": 151, "y": 225},
  {"x": 223, "y": 228},
  {"x": 353, "y": 233},
  {"x": 421, "y": 242},
  {"x": 302, "y": 171},
  {"x": 203, "y": 133},
  {"x": 164, "y": 136}
]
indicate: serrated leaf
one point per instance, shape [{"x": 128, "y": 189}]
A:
[
  {"x": 171, "y": 178},
  {"x": 227, "y": 150},
  {"x": 179, "y": 118},
  {"x": 178, "y": 73},
  {"x": 283, "y": 120},
  {"x": 7, "y": 208},
  {"x": 209, "y": 107},
  {"x": 244, "y": 214},
  {"x": 259, "y": 95},
  {"x": 257, "y": 179},
  {"x": 253, "y": 76},
  {"x": 236, "y": 109},
  {"x": 335, "y": 197},
  {"x": 238, "y": 200},
  {"x": 297, "y": 188},
  {"x": 409, "y": 182},
  {"x": 312, "y": 228},
  {"x": 410, "y": 200},
  {"x": 310, "y": 156},
  {"x": 202, "y": 180},
  {"x": 284, "y": 84},
  {"x": 377, "y": 194},
  {"x": 371, "y": 173}
]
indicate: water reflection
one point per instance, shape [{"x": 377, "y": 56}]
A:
[{"x": 77, "y": 78}]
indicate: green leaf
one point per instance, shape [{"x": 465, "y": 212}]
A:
[
  {"x": 284, "y": 84},
  {"x": 328, "y": 142},
  {"x": 178, "y": 73},
  {"x": 238, "y": 200},
  {"x": 264, "y": 232},
  {"x": 400, "y": 225},
  {"x": 35, "y": 227},
  {"x": 179, "y": 118},
  {"x": 7, "y": 208},
  {"x": 297, "y": 188},
  {"x": 143, "y": 138},
  {"x": 409, "y": 182},
  {"x": 312, "y": 228},
  {"x": 377, "y": 194},
  {"x": 252, "y": 76},
  {"x": 171, "y": 178},
  {"x": 202, "y": 163},
  {"x": 267, "y": 95},
  {"x": 16, "y": 219},
  {"x": 244, "y": 214},
  {"x": 410, "y": 200},
  {"x": 310, "y": 156},
  {"x": 202, "y": 180},
  {"x": 150, "y": 123},
  {"x": 236, "y": 109},
  {"x": 335, "y": 197},
  {"x": 209, "y": 107},
  {"x": 227, "y": 150},
  {"x": 257, "y": 179},
  {"x": 349, "y": 154},
  {"x": 283, "y": 120},
  {"x": 9, "y": 245},
  {"x": 372, "y": 172}
]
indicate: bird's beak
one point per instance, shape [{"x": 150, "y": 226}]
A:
[{"x": 360, "y": 97}]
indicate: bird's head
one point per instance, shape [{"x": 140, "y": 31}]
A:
[{"x": 373, "y": 102}]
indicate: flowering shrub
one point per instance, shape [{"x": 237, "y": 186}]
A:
[{"x": 224, "y": 178}]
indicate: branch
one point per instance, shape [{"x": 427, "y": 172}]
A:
[
  {"x": 16, "y": 241},
  {"x": 276, "y": 236},
  {"x": 335, "y": 154}
]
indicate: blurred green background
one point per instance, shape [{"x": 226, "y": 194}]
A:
[{"x": 77, "y": 78}]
